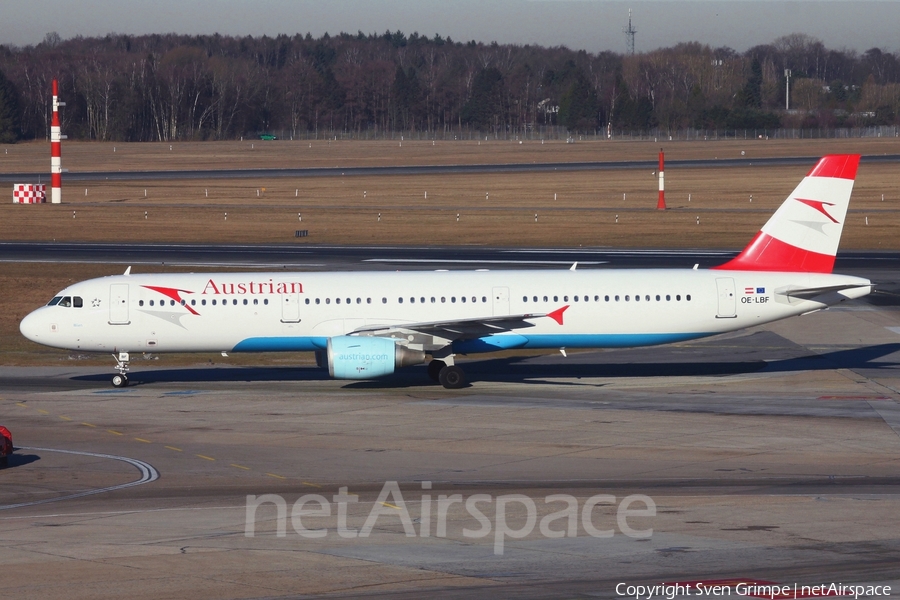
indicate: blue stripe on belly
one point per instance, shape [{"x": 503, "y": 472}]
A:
[
  {"x": 489, "y": 343},
  {"x": 281, "y": 344}
]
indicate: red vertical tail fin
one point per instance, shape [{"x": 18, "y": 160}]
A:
[{"x": 804, "y": 233}]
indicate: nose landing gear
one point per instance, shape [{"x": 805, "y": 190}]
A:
[{"x": 120, "y": 379}]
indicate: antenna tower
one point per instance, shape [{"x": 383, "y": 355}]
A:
[{"x": 629, "y": 34}]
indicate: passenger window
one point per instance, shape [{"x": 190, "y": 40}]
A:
[
  {"x": 412, "y": 300},
  {"x": 140, "y": 302},
  {"x": 617, "y": 297},
  {"x": 576, "y": 298},
  {"x": 637, "y": 298},
  {"x": 606, "y": 298},
  {"x": 368, "y": 301},
  {"x": 524, "y": 298},
  {"x": 202, "y": 302},
  {"x": 678, "y": 297},
  {"x": 348, "y": 301},
  {"x": 151, "y": 303},
  {"x": 484, "y": 298},
  {"x": 657, "y": 297},
  {"x": 688, "y": 297},
  {"x": 213, "y": 302},
  {"x": 432, "y": 300},
  {"x": 400, "y": 300},
  {"x": 307, "y": 301},
  {"x": 318, "y": 301},
  {"x": 463, "y": 299},
  {"x": 337, "y": 300},
  {"x": 627, "y": 298},
  {"x": 647, "y": 297},
  {"x": 597, "y": 298},
  {"x": 327, "y": 300},
  {"x": 359, "y": 300},
  {"x": 266, "y": 301},
  {"x": 545, "y": 298},
  {"x": 193, "y": 303},
  {"x": 443, "y": 299},
  {"x": 183, "y": 302},
  {"x": 453, "y": 299},
  {"x": 234, "y": 301},
  {"x": 245, "y": 302},
  {"x": 668, "y": 298},
  {"x": 384, "y": 300},
  {"x": 556, "y": 298}
]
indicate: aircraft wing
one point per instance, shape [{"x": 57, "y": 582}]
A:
[{"x": 460, "y": 329}]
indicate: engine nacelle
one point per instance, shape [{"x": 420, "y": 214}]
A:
[{"x": 351, "y": 357}]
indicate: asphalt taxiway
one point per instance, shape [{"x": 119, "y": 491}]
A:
[
  {"x": 350, "y": 171},
  {"x": 770, "y": 454}
]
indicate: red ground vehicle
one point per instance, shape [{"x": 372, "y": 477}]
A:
[{"x": 6, "y": 446}]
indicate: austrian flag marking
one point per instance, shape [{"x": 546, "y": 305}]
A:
[{"x": 754, "y": 290}]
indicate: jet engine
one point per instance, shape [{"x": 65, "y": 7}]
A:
[{"x": 351, "y": 357}]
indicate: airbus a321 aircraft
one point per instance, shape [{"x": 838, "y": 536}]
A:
[{"x": 364, "y": 325}]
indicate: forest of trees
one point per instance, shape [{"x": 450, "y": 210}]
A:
[{"x": 213, "y": 87}]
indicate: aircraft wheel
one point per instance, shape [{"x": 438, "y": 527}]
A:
[
  {"x": 452, "y": 378},
  {"x": 434, "y": 369},
  {"x": 120, "y": 381}
]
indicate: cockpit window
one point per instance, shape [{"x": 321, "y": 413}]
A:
[
  {"x": 67, "y": 301},
  {"x": 54, "y": 301},
  {"x": 77, "y": 302}
]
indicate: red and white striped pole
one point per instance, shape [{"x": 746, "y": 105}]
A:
[
  {"x": 661, "y": 203},
  {"x": 55, "y": 155}
]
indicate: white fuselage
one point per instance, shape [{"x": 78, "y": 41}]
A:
[{"x": 257, "y": 312}]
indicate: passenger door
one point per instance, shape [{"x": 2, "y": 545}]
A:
[
  {"x": 118, "y": 304},
  {"x": 727, "y": 299}
]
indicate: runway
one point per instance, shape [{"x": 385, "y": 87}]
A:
[
  {"x": 770, "y": 454},
  {"x": 431, "y": 169}
]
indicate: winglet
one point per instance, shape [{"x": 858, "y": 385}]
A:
[
  {"x": 557, "y": 315},
  {"x": 127, "y": 271}
]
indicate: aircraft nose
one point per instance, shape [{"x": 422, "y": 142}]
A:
[{"x": 31, "y": 327}]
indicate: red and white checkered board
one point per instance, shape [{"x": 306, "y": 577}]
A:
[{"x": 29, "y": 193}]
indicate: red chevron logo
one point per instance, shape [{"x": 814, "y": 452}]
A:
[{"x": 819, "y": 206}]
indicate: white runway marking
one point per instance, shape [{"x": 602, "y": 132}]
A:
[{"x": 147, "y": 471}]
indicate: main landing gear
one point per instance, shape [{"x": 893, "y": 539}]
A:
[
  {"x": 448, "y": 375},
  {"x": 120, "y": 379}
]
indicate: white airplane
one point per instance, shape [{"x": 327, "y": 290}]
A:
[{"x": 366, "y": 324}]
